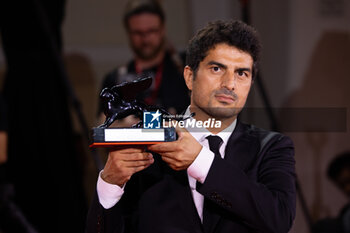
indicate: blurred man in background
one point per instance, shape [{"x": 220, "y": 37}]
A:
[
  {"x": 338, "y": 172},
  {"x": 144, "y": 21}
]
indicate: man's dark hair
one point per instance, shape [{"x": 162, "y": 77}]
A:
[
  {"x": 135, "y": 7},
  {"x": 340, "y": 162},
  {"x": 233, "y": 33}
]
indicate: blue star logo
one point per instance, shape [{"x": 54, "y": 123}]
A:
[{"x": 152, "y": 120}]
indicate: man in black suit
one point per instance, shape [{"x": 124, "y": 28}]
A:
[{"x": 227, "y": 177}]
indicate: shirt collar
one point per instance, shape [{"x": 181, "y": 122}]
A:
[{"x": 201, "y": 134}]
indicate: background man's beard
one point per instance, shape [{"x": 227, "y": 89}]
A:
[{"x": 148, "y": 54}]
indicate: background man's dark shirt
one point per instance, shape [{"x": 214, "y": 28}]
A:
[{"x": 172, "y": 91}]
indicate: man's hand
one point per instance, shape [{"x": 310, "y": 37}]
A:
[
  {"x": 123, "y": 163},
  {"x": 179, "y": 154}
]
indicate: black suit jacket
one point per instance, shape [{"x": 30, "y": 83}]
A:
[{"x": 251, "y": 190}]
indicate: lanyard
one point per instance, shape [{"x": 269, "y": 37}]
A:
[{"x": 151, "y": 99}]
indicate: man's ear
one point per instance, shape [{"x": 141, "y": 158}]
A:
[{"x": 188, "y": 75}]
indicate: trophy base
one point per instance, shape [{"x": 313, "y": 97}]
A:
[{"x": 109, "y": 137}]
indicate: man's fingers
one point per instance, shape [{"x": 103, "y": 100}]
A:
[
  {"x": 170, "y": 146},
  {"x": 167, "y": 159},
  {"x": 169, "y": 155},
  {"x": 139, "y": 168},
  {"x": 174, "y": 164},
  {"x": 123, "y": 163},
  {"x": 127, "y": 150},
  {"x": 131, "y": 156},
  {"x": 164, "y": 147},
  {"x": 180, "y": 130},
  {"x": 137, "y": 156},
  {"x": 140, "y": 163}
]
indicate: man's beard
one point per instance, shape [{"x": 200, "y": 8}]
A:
[
  {"x": 150, "y": 52},
  {"x": 221, "y": 113}
]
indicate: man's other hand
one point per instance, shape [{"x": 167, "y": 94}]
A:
[
  {"x": 179, "y": 154},
  {"x": 123, "y": 163}
]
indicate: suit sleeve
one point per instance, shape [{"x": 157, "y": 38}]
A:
[
  {"x": 100, "y": 219},
  {"x": 263, "y": 199},
  {"x": 123, "y": 216},
  {"x": 118, "y": 219}
]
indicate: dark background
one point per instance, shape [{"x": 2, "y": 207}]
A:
[{"x": 305, "y": 59}]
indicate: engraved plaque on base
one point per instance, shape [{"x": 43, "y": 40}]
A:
[{"x": 108, "y": 137}]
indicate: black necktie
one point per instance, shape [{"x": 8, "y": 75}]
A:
[{"x": 214, "y": 145}]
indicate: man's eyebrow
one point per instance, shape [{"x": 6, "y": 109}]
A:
[
  {"x": 244, "y": 69},
  {"x": 217, "y": 64}
]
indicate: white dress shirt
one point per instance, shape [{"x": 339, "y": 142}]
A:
[
  {"x": 110, "y": 194},
  {"x": 200, "y": 167}
]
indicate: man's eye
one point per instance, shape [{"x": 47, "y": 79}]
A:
[
  {"x": 241, "y": 73},
  {"x": 215, "y": 68}
]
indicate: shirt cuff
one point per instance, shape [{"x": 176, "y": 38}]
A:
[
  {"x": 200, "y": 167},
  {"x": 108, "y": 194}
]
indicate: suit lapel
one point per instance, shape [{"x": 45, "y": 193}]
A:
[{"x": 242, "y": 147}]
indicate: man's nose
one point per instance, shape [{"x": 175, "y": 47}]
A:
[
  {"x": 144, "y": 34},
  {"x": 229, "y": 81}
]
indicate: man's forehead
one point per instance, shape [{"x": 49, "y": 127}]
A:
[
  {"x": 229, "y": 46},
  {"x": 144, "y": 20},
  {"x": 239, "y": 55}
]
